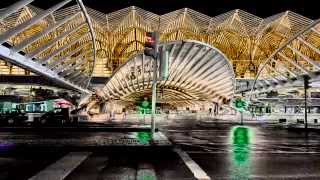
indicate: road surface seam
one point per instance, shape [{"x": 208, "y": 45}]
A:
[
  {"x": 196, "y": 170},
  {"x": 63, "y": 167}
]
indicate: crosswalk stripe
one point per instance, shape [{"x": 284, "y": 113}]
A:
[
  {"x": 197, "y": 171},
  {"x": 62, "y": 168}
]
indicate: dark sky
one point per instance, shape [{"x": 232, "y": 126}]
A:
[{"x": 262, "y": 8}]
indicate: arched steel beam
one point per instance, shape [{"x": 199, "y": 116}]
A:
[
  {"x": 278, "y": 51},
  {"x": 42, "y": 59},
  {"x": 214, "y": 81}
]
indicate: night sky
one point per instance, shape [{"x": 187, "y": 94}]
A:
[{"x": 262, "y": 8}]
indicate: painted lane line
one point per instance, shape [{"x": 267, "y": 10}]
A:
[
  {"x": 196, "y": 170},
  {"x": 62, "y": 168}
]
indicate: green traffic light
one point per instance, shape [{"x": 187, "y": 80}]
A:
[
  {"x": 145, "y": 104},
  {"x": 240, "y": 104}
]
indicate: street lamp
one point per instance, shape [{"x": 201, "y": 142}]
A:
[{"x": 152, "y": 49}]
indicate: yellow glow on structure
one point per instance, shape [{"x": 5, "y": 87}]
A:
[{"x": 243, "y": 37}]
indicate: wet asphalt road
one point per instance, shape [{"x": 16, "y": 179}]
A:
[
  {"x": 227, "y": 151},
  {"x": 223, "y": 151}
]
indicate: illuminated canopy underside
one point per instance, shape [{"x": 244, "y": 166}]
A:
[
  {"x": 58, "y": 42},
  {"x": 197, "y": 73}
]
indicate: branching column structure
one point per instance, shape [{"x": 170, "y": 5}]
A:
[{"x": 247, "y": 40}]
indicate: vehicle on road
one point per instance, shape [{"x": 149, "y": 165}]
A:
[
  {"x": 13, "y": 118},
  {"x": 59, "y": 116}
]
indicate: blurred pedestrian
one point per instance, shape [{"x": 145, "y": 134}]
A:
[
  {"x": 210, "y": 112},
  {"x": 124, "y": 113}
]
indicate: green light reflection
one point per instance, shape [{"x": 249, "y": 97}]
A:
[
  {"x": 143, "y": 137},
  {"x": 240, "y": 157},
  {"x": 146, "y": 177}
]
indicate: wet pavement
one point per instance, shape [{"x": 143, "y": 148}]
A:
[
  {"x": 120, "y": 165},
  {"x": 255, "y": 151},
  {"x": 222, "y": 150}
]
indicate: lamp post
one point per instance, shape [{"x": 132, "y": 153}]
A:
[
  {"x": 152, "y": 49},
  {"x": 306, "y": 87}
]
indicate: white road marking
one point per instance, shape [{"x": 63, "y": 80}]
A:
[
  {"x": 63, "y": 167},
  {"x": 198, "y": 173},
  {"x": 255, "y": 152}
]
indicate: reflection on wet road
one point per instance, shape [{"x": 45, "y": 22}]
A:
[
  {"x": 240, "y": 153},
  {"x": 227, "y": 151},
  {"x": 267, "y": 140},
  {"x": 222, "y": 151}
]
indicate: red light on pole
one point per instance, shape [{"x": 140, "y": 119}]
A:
[
  {"x": 149, "y": 39},
  {"x": 151, "y": 43}
]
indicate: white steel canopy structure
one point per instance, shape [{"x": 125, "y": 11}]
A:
[
  {"x": 197, "y": 73},
  {"x": 56, "y": 43},
  {"x": 294, "y": 60},
  {"x": 59, "y": 42}
]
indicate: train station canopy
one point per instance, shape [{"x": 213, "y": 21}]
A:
[
  {"x": 70, "y": 42},
  {"x": 197, "y": 73}
]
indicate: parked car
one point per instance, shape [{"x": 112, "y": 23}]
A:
[
  {"x": 59, "y": 116},
  {"x": 13, "y": 118}
]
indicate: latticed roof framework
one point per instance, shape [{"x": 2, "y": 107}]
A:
[
  {"x": 57, "y": 42},
  {"x": 294, "y": 62},
  {"x": 245, "y": 38}
]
